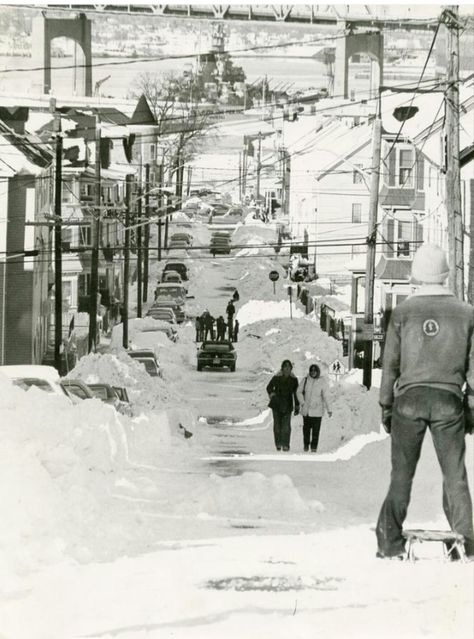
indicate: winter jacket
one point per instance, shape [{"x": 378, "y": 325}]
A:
[
  {"x": 313, "y": 396},
  {"x": 284, "y": 389},
  {"x": 429, "y": 343}
]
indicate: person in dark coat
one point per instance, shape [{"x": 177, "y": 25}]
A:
[
  {"x": 198, "y": 325},
  {"x": 205, "y": 327},
  {"x": 220, "y": 326},
  {"x": 236, "y": 296},
  {"x": 235, "y": 332},
  {"x": 283, "y": 400},
  {"x": 230, "y": 310},
  {"x": 210, "y": 322}
]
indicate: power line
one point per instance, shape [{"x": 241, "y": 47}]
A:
[{"x": 435, "y": 35}]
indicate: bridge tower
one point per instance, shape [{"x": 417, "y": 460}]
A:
[
  {"x": 78, "y": 29},
  {"x": 370, "y": 43}
]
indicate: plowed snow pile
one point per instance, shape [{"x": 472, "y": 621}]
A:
[
  {"x": 63, "y": 469},
  {"x": 119, "y": 369}
]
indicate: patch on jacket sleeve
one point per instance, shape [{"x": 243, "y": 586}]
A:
[{"x": 430, "y": 327}]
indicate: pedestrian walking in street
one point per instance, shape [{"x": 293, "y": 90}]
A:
[
  {"x": 235, "y": 332},
  {"x": 313, "y": 399},
  {"x": 198, "y": 326},
  {"x": 428, "y": 357},
  {"x": 283, "y": 400},
  {"x": 236, "y": 296}
]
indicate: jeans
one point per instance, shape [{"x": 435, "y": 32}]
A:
[
  {"x": 416, "y": 410},
  {"x": 311, "y": 424},
  {"x": 281, "y": 429}
]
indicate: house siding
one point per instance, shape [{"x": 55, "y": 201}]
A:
[{"x": 26, "y": 279}]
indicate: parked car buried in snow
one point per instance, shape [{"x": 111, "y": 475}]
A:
[
  {"x": 147, "y": 357},
  {"x": 164, "y": 313},
  {"x": 108, "y": 395},
  {"x": 216, "y": 355},
  {"x": 78, "y": 388},
  {"x": 27, "y": 375},
  {"x": 171, "y": 277},
  {"x": 180, "y": 267}
]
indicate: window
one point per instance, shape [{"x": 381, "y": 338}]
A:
[
  {"x": 356, "y": 213},
  {"x": 85, "y": 236},
  {"x": 152, "y": 151},
  {"x": 84, "y": 284},
  {"x": 357, "y": 175},
  {"x": 402, "y": 236},
  {"x": 405, "y": 168}
]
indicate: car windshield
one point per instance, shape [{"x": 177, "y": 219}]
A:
[
  {"x": 219, "y": 348},
  {"x": 150, "y": 365},
  {"x": 28, "y": 382},
  {"x": 77, "y": 391},
  {"x": 170, "y": 291},
  {"x": 100, "y": 392}
]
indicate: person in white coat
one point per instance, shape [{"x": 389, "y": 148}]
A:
[{"x": 312, "y": 394}]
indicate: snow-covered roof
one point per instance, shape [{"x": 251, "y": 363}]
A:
[
  {"x": 21, "y": 155},
  {"x": 332, "y": 145},
  {"x": 430, "y": 107}
]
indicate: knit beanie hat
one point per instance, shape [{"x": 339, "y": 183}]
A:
[{"x": 429, "y": 265}]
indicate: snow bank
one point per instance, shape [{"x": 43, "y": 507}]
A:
[
  {"x": 250, "y": 495},
  {"x": 58, "y": 466},
  {"x": 119, "y": 369},
  {"x": 258, "y": 310}
]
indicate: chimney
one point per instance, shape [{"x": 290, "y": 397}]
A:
[{"x": 15, "y": 118}]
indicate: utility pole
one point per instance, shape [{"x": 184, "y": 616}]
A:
[
  {"x": 126, "y": 260},
  {"x": 146, "y": 264},
  {"x": 240, "y": 176},
  {"x": 58, "y": 276},
  {"x": 453, "y": 176},
  {"x": 95, "y": 236},
  {"x": 160, "y": 209},
  {"x": 139, "y": 252},
  {"x": 371, "y": 250},
  {"x": 244, "y": 171},
  {"x": 259, "y": 167},
  {"x": 282, "y": 155}
]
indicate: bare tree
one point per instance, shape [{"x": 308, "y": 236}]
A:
[{"x": 182, "y": 121}]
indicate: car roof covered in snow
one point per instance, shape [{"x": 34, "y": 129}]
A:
[{"x": 38, "y": 371}]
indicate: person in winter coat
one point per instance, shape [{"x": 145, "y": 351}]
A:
[
  {"x": 198, "y": 326},
  {"x": 236, "y": 296},
  {"x": 283, "y": 399},
  {"x": 220, "y": 326},
  {"x": 234, "y": 336},
  {"x": 313, "y": 398},
  {"x": 428, "y": 357}
]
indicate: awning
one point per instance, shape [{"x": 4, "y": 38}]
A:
[{"x": 393, "y": 268}]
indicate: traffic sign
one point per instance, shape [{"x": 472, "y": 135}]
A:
[
  {"x": 378, "y": 337},
  {"x": 274, "y": 276},
  {"x": 337, "y": 368}
]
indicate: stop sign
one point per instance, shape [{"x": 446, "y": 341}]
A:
[{"x": 274, "y": 276}]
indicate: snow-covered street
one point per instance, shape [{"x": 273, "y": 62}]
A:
[{"x": 120, "y": 527}]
